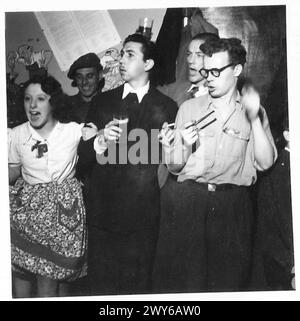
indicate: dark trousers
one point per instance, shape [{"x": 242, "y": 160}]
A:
[
  {"x": 121, "y": 263},
  {"x": 205, "y": 238}
]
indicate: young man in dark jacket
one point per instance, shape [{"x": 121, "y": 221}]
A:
[{"x": 123, "y": 198}]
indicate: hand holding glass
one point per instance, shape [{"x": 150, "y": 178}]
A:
[
  {"x": 112, "y": 131},
  {"x": 121, "y": 121}
]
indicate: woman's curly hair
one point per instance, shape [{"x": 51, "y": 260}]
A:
[{"x": 61, "y": 109}]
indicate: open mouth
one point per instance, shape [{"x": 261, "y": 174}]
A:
[{"x": 34, "y": 115}]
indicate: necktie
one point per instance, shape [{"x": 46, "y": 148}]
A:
[
  {"x": 131, "y": 99},
  {"x": 193, "y": 91},
  {"x": 131, "y": 105}
]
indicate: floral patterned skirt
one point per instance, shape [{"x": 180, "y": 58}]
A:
[{"x": 48, "y": 229}]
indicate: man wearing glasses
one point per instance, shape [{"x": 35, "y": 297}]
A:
[
  {"x": 219, "y": 142},
  {"x": 193, "y": 86}
]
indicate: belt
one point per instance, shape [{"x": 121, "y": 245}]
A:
[
  {"x": 211, "y": 187},
  {"x": 219, "y": 187}
]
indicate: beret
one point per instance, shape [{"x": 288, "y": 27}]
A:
[{"x": 85, "y": 61}]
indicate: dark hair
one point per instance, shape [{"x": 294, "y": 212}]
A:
[
  {"x": 148, "y": 46},
  {"x": 236, "y": 51},
  {"x": 205, "y": 36},
  {"x": 149, "y": 52},
  {"x": 61, "y": 110}
]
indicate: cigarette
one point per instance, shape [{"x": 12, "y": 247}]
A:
[{"x": 171, "y": 125}]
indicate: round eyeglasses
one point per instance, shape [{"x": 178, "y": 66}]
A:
[{"x": 214, "y": 71}]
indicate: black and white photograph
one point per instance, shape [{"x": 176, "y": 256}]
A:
[{"x": 147, "y": 150}]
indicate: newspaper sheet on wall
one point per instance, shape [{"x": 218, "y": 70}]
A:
[{"x": 71, "y": 34}]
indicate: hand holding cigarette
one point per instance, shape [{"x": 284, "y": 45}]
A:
[
  {"x": 167, "y": 134},
  {"x": 189, "y": 133}
]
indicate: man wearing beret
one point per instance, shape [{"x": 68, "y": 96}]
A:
[{"x": 86, "y": 73}]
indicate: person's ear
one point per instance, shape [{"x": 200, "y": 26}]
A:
[
  {"x": 149, "y": 64},
  {"x": 237, "y": 70},
  {"x": 286, "y": 135}
]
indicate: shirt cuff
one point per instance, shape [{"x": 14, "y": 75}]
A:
[{"x": 100, "y": 144}]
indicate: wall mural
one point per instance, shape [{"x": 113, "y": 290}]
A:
[
  {"x": 35, "y": 63},
  {"x": 110, "y": 64}
]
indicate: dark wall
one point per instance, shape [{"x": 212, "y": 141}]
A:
[{"x": 263, "y": 32}]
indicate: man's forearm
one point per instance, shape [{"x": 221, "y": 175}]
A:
[{"x": 263, "y": 149}]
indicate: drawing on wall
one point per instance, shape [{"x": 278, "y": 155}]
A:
[
  {"x": 35, "y": 62},
  {"x": 111, "y": 73}
]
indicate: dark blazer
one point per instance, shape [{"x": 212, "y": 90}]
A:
[{"x": 124, "y": 198}]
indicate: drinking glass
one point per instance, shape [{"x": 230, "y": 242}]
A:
[
  {"x": 145, "y": 27},
  {"x": 121, "y": 120}
]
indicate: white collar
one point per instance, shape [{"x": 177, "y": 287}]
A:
[
  {"x": 286, "y": 148},
  {"x": 201, "y": 91},
  {"x": 141, "y": 92},
  {"x": 34, "y": 135}
]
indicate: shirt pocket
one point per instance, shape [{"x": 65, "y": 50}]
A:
[
  {"x": 206, "y": 146},
  {"x": 236, "y": 141}
]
